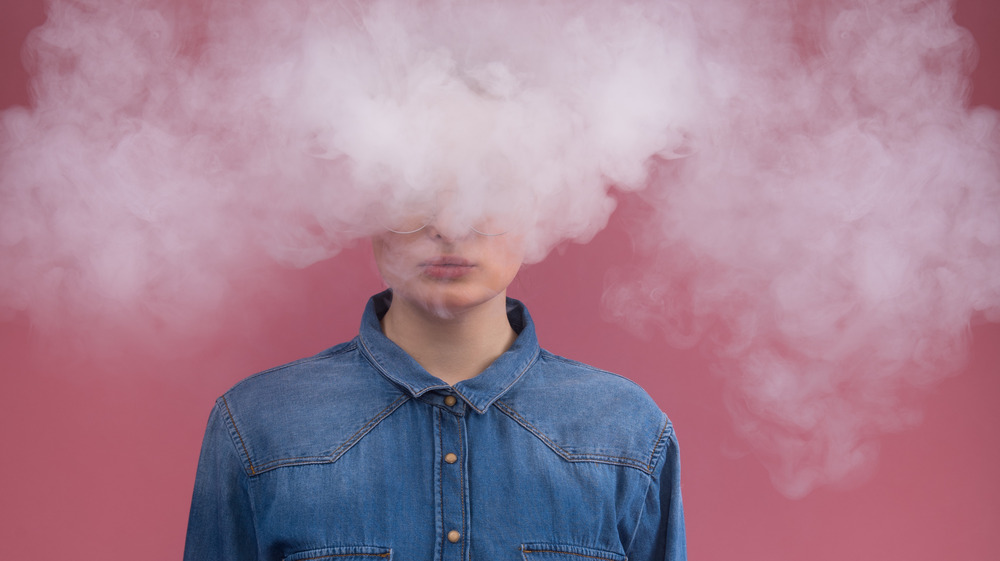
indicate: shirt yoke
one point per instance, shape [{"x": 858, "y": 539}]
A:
[
  {"x": 585, "y": 414},
  {"x": 315, "y": 409},
  {"x": 306, "y": 412}
]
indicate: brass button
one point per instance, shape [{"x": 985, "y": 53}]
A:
[
  {"x": 450, "y": 458},
  {"x": 450, "y": 400},
  {"x": 454, "y": 536}
]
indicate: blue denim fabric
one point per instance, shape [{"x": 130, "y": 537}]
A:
[{"x": 347, "y": 456}]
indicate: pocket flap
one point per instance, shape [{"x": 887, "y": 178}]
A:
[
  {"x": 563, "y": 552},
  {"x": 356, "y": 553}
]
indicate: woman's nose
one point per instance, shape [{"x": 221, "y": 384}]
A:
[{"x": 448, "y": 227}]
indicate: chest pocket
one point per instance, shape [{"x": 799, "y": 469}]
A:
[
  {"x": 560, "y": 552},
  {"x": 359, "y": 553}
]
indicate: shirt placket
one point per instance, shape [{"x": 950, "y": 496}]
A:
[{"x": 453, "y": 512}]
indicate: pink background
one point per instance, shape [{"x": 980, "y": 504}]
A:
[{"x": 99, "y": 454}]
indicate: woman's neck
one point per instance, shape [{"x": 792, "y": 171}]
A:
[{"x": 455, "y": 348}]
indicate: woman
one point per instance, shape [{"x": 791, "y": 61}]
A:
[{"x": 442, "y": 431}]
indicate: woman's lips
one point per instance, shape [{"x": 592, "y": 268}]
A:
[{"x": 446, "y": 268}]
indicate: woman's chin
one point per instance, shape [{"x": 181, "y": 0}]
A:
[{"x": 450, "y": 300}]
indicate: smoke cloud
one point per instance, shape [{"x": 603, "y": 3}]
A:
[
  {"x": 821, "y": 204},
  {"x": 170, "y": 146},
  {"x": 835, "y": 232}
]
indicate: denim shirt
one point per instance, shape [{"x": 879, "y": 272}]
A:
[{"x": 359, "y": 453}]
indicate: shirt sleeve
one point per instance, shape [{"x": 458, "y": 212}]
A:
[
  {"x": 660, "y": 534},
  {"x": 221, "y": 524}
]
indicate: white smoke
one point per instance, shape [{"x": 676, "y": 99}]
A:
[
  {"x": 835, "y": 233},
  {"x": 822, "y": 204},
  {"x": 168, "y": 147}
]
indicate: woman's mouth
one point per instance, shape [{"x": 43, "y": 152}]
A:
[{"x": 446, "y": 267}]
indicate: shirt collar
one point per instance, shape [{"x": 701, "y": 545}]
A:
[{"x": 479, "y": 392}]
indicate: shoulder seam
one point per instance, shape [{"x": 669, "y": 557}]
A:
[
  {"x": 660, "y": 445},
  {"x": 658, "y": 454},
  {"x": 334, "y": 351},
  {"x": 231, "y": 422},
  {"x": 586, "y": 366}
]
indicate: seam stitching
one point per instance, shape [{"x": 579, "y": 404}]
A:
[
  {"x": 246, "y": 452},
  {"x": 658, "y": 444},
  {"x": 346, "y": 555},
  {"x": 441, "y": 475},
  {"x": 339, "y": 450},
  {"x": 526, "y": 550},
  {"x": 461, "y": 477},
  {"x": 617, "y": 460}
]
